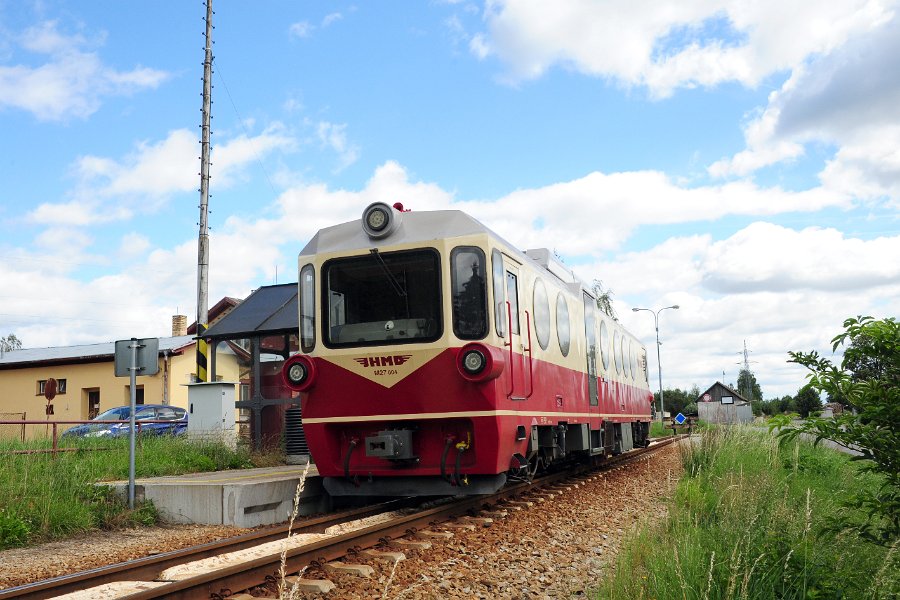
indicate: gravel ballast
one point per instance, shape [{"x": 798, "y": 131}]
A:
[{"x": 558, "y": 548}]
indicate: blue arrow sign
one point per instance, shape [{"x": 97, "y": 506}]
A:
[{"x": 680, "y": 419}]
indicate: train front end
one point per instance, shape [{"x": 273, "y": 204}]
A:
[{"x": 396, "y": 378}]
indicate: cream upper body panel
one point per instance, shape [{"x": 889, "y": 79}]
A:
[{"x": 445, "y": 230}]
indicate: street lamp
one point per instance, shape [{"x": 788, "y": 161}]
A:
[{"x": 658, "y": 363}]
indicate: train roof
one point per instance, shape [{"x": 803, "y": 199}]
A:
[
  {"x": 428, "y": 225},
  {"x": 416, "y": 226}
]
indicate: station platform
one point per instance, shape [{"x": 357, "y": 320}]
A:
[{"x": 242, "y": 498}]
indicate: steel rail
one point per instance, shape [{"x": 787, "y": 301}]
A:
[
  {"x": 149, "y": 567},
  {"x": 225, "y": 582}
]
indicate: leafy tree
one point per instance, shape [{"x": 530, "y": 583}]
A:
[
  {"x": 677, "y": 399},
  {"x": 873, "y": 430},
  {"x": 10, "y": 342},
  {"x": 604, "y": 299},
  {"x": 808, "y": 401},
  {"x": 748, "y": 387}
]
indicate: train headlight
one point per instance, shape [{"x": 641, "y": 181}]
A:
[
  {"x": 299, "y": 373},
  {"x": 473, "y": 361},
  {"x": 380, "y": 220},
  {"x": 478, "y": 362}
]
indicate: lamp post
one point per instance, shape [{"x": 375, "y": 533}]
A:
[{"x": 658, "y": 363}]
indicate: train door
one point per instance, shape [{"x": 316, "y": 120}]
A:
[
  {"x": 509, "y": 323},
  {"x": 590, "y": 336},
  {"x": 517, "y": 336}
]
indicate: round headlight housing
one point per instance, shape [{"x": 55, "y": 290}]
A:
[
  {"x": 477, "y": 362},
  {"x": 299, "y": 373},
  {"x": 380, "y": 220},
  {"x": 473, "y": 361}
]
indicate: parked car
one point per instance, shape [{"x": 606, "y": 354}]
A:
[{"x": 176, "y": 422}]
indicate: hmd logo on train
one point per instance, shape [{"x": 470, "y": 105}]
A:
[{"x": 390, "y": 360}]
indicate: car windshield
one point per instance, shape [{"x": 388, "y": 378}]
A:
[{"x": 114, "y": 414}]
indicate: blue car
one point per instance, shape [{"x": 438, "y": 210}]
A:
[{"x": 176, "y": 422}]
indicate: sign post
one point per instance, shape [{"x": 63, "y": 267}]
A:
[{"x": 132, "y": 356}]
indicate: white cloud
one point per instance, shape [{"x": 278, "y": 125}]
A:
[
  {"x": 666, "y": 47},
  {"x": 334, "y": 136},
  {"x": 301, "y": 29},
  {"x": 71, "y": 82},
  {"x": 849, "y": 100},
  {"x": 112, "y": 190},
  {"x": 778, "y": 288},
  {"x": 331, "y": 18}
]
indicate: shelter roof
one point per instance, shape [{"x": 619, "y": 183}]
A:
[{"x": 270, "y": 309}]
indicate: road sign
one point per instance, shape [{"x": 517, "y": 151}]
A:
[
  {"x": 680, "y": 419},
  {"x": 146, "y": 358},
  {"x": 51, "y": 386}
]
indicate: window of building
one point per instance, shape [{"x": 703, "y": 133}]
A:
[
  {"x": 469, "y": 293},
  {"x": 42, "y": 386},
  {"x": 563, "y": 326},
  {"x": 541, "y": 314}
]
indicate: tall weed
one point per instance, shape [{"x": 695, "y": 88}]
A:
[
  {"x": 751, "y": 520},
  {"x": 46, "y": 497}
]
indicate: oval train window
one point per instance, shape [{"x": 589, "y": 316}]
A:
[
  {"x": 617, "y": 359},
  {"x": 563, "y": 327},
  {"x": 541, "y": 314},
  {"x": 604, "y": 344}
]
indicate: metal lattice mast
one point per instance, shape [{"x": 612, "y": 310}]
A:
[{"x": 203, "y": 241}]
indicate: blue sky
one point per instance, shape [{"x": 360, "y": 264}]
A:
[{"x": 740, "y": 160}]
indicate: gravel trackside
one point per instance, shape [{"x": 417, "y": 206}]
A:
[{"x": 558, "y": 548}]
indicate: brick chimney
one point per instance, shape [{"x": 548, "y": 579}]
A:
[{"x": 179, "y": 325}]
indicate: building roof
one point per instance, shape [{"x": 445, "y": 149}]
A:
[
  {"x": 32, "y": 357},
  {"x": 737, "y": 395},
  {"x": 219, "y": 310},
  {"x": 270, "y": 309}
]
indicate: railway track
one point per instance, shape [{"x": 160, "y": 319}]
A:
[{"x": 231, "y": 578}]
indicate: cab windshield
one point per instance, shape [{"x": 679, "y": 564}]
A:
[{"x": 382, "y": 298}]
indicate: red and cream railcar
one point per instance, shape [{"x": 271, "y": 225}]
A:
[{"x": 437, "y": 359}]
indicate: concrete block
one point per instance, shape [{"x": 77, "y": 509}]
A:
[
  {"x": 426, "y": 534},
  {"x": 381, "y": 555},
  {"x": 310, "y": 586},
  {"x": 350, "y": 569},
  {"x": 410, "y": 544},
  {"x": 458, "y": 525},
  {"x": 479, "y": 521}
]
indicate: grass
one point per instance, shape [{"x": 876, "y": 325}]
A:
[
  {"x": 43, "y": 497},
  {"x": 751, "y": 519}
]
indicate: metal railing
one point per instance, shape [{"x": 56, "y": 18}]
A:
[{"x": 55, "y": 448}]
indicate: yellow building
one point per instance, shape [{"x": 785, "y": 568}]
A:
[{"x": 87, "y": 384}]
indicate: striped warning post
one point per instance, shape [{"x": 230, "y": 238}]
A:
[{"x": 202, "y": 354}]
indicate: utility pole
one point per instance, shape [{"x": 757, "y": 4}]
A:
[
  {"x": 203, "y": 241},
  {"x": 749, "y": 391}
]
